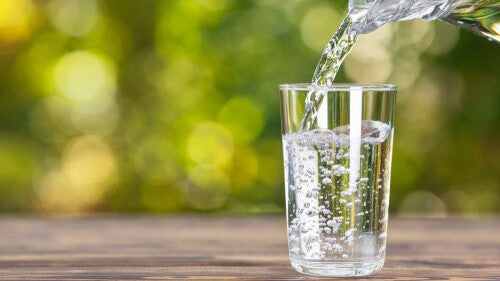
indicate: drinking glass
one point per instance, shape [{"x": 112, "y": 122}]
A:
[{"x": 337, "y": 175}]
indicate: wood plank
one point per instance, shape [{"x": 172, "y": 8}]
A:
[{"x": 228, "y": 248}]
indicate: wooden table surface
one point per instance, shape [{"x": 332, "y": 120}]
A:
[{"x": 228, "y": 248}]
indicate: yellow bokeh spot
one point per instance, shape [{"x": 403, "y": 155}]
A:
[
  {"x": 417, "y": 32},
  {"x": 210, "y": 144},
  {"x": 85, "y": 78},
  {"x": 86, "y": 83},
  {"x": 73, "y": 17},
  {"x": 14, "y": 20},
  {"x": 317, "y": 26},
  {"x": 426, "y": 93},
  {"x": 208, "y": 188},
  {"x": 243, "y": 118},
  {"x": 89, "y": 161},
  {"x": 86, "y": 174},
  {"x": 376, "y": 71},
  {"x": 184, "y": 76},
  {"x": 369, "y": 61},
  {"x": 407, "y": 69},
  {"x": 373, "y": 46}
]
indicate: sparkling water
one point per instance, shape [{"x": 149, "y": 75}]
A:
[{"x": 337, "y": 210}]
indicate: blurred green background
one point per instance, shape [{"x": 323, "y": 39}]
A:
[{"x": 172, "y": 106}]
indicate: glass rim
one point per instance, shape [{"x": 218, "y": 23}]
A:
[{"x": 340, "y": 87}]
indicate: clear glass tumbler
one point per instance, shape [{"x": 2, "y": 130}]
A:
[{"x": 337, "y": 175}]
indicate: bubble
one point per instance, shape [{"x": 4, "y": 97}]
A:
[
  {"x": 350, "y": 232},
  {"x": 326, "y": 181}
]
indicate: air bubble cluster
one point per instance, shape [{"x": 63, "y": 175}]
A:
[{"x": 328, "y": 218}]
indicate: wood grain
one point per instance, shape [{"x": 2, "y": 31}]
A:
[{"x": 228, "y": 248}]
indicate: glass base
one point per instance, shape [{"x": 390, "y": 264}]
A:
[{"x": 337, "y": 269}]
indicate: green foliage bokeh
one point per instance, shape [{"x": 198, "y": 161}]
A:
[{"x": 172, "y": 106}]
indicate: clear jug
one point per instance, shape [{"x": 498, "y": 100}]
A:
[{"x": 479, "y": 16}]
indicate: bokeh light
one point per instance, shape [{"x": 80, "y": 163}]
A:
[
  {"x": 243, "y": 118},
  {"x": 84, "y": 78},
  {"x": 370, "y": 61},
  {"x": 318, "y": 25},
  {"x": 86, "y": 173},
  {"x": 87, "y": 82},
  {"x": 74, "y": 17},
  {"x": 173, "y": 106},
  {"x": 15, "y": 21},
  {"x": 210, "y": 144}
]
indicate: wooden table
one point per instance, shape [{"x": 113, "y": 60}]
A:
[{"x": 227, "y": 248}]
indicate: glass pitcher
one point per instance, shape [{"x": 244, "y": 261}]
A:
[{"x": 479, "y": 16}]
